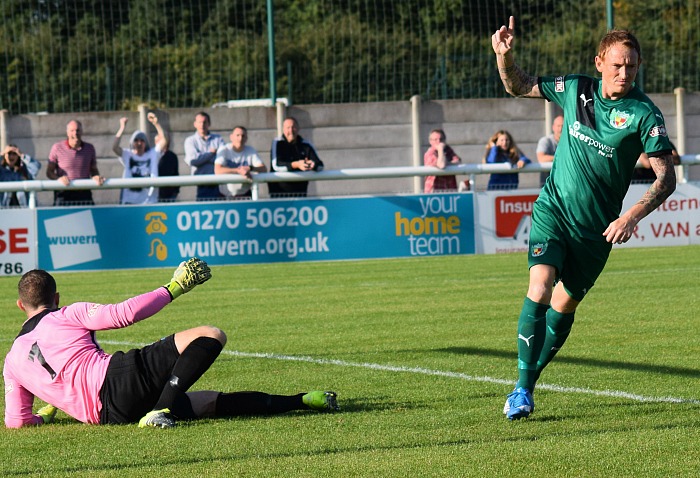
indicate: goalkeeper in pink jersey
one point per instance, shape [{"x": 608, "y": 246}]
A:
[{"x": 56, "y": 358}]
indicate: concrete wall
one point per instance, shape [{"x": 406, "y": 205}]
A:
[{"x": 345, "y": 135}]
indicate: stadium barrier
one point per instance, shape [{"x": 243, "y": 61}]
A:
[{"x": 471, "y": 170}]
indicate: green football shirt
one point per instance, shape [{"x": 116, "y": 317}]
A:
[{"x": 600, "y": 143}]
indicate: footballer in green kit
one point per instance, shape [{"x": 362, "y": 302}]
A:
[{"x": 608, "y": 123}]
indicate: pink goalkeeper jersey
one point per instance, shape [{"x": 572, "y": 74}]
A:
[{"x": 57, "y": 358}]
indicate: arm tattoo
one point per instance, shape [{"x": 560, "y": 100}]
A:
[
  {"x": 664, "y": 185},
  {"x": 517, "y": 82}
]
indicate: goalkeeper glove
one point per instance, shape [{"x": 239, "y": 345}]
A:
[
  {"x": 188, "y": 274},
  {"x": 47, "y": 413}
]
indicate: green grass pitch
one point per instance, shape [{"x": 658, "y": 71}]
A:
[{"x": 422, "y": 353}]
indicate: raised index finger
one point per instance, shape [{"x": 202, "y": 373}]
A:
[{"x": 511, "y": 23}]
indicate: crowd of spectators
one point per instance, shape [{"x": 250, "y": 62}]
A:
[{"x": 206, "y": 153}]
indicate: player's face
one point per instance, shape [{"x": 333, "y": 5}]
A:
[
  {"x": 238, "y": 139},
  {"x": 619, "y": 68},
  {"x": 434, "y": 139}
]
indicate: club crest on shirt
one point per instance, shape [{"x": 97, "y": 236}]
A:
[
  {"x": 538, "y": 249},
  {"x": 620, "y": 119}
]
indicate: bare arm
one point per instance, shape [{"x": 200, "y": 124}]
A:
[
  {"x": 544, "y": 157},
  {"x": 621, "y": 229},
  {"x": 515, "y": 80},
  {"x": 118, "y": 136},
  {"x": 441, "y": 159},
  {"x": 162, "y": 141},
  {"x": 644, "y": 161}
]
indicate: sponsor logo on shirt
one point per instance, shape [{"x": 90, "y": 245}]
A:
[
  {"x": 9, "y": 387},
  {"x": 658, "y": 131},
  {"x": 620, "y": 119},
  {"x": 603, "y": 149},
  {"x": 559, "y": 84}
]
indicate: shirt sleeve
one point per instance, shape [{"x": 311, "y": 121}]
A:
[
  {"x": 450, "y": 155},
  {"x": 18, "y": 404},
  {"x": 220, "y": 156},
  {"x": 278, "y": 162},
  {"x": 430, "y": 158},
  {"x": 116, "y": 316},
  {"x": 53, "y": 155},
  {"x": 652, "y": 131},
  {"x": 555, "y": 88},
  {"x": 314, "y": 157},
  {"x": 194, "y": 157},
  {"x": 493, "y": 155}
]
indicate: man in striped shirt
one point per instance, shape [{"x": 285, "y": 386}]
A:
[{"x": 73, "y": 159}]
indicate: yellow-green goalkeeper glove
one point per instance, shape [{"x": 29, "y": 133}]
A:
[
  {"x": 188, "y": 275},
  {"x": 47, "y": 413}
]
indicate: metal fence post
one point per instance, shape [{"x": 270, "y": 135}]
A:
[
  {"x": 683, "y": 172},
  {"x": 415, "y": 135},
  {"x": 3, "y": 128},
  {"x": 143, "y": 118}
]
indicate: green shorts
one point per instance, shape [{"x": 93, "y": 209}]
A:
[{"x": 578, "y": 260}]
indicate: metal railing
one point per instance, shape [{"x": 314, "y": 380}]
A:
[{"x": 470, "y": 170}]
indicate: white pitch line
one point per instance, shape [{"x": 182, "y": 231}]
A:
[{"x": 441, "y": 373}]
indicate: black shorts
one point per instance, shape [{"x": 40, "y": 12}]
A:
[{"x": 135, "y": 380}]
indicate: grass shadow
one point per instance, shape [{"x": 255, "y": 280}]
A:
[{"x": 611, "y": 364}]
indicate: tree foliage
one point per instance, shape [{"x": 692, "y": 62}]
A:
[{"x": 95, "y": 55}]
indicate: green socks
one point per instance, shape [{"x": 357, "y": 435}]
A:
[
  {"x": 542, "y": 331},
  {"x": 531, "y": 334},
  {"x": 558, "y": 328}
]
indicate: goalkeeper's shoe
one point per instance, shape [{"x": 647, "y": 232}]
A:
[
  {"x": 47, "y": 413},
  {"x": 519, "y": 404},
  {"x": 189, "y": 274},
  {"x": 158, "y": 419},
  {"x": 322, "y": 401}
]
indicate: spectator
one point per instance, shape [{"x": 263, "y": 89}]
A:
[
  {"x": 200, "y": 154},
  {"x": 167, "y": 166},
  {"x": 139, "y": 161},
  {"x": 502, "y": 149},
  {"x": 68, "y": 369},
  {"x": 17, "y": 167},
  {"x": 238, "y": 158},
  {"x": 439, "y": 155},
  {"x": 547, "y": 145},
  {"x": 73, "y": 159},
  {"x": 645, "y": 174},
  {"x": 291, "y": 152}
]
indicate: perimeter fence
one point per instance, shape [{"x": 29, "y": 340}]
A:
[{"x": 95, "y": 55}]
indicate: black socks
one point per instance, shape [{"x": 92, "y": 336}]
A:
[
  {"x": 192, "y": 363},
  {"x": 256, "y": 403}
]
